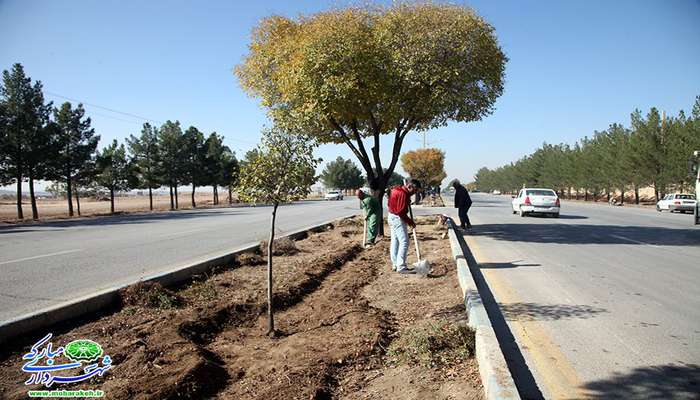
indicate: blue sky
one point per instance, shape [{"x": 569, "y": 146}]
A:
[{"x": 575, "y": 67}]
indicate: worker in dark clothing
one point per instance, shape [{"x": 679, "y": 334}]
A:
[{"x": 462, "y": 204}]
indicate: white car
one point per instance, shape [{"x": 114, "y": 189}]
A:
[
  {"x": 536, "y": 201},
  {"x": 496, "y": 192},
  {"x": 334, "y": 195},
  {"x": 677, "y": 202}
]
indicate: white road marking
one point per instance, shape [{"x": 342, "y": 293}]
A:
[
  {"x": 183, "y": 232},
  {"x": 41, "y": 256},
  {"x": 633, "y": 241}
]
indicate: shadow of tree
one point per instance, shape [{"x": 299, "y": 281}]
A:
[
  {"x": 655, "y": 382},
  {"x": 535, "y": 311},
  {"x": 505, "y": 265},
  {"x": 589, "y": 234}
]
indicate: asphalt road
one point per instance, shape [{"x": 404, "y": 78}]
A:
[
  {"x": 603, "y": 302},
  {"x": 46, "y": 264}
]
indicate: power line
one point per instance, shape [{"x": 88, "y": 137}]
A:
[
  {"x": 126, "y": 114},
  {"x": 103, "y": 108}
]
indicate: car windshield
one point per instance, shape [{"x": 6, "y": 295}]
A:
[
  {"x": 685, "y": 196},
  {"x": 541, "y": 193}
]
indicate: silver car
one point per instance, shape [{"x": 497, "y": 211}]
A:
[{"x": 536, "y": 201}]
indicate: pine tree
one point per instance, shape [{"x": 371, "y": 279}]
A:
[
  {"x": 77, "y": 143},
  {"x": 113, "y": 170},
  {"x": 144, "y": 156},
  {"x": 170, "y": 164},
  {"x": 27, "y": 145}
]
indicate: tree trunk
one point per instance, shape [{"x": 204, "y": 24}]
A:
[
  {"x": 194, "y": 205},
  {"x": 177, "y": 205},
  {"x": 230, "y": 196},
  {"x": 77, "y": 200},
  {"x": 622, "y": 196},
  {"x": 150, "y": 197},
  {"x": 111, "y": 201},
  {"x": 270, "y": 315},
  {"x": 569, "y": 197},
  {"x": 379, "y": 195},
  {"x": 585, "y": 195},
  {"x": 35, "y": 213},
  {"x": 656, "y": 192},
  {"x": 69, "y": 194},
  {"x": 608, "y": 195},
  {"x": 636, "y": 194},
  {"x": 172, "y": 201},
  {"x": 216, "y": 194},
  {"x": 20, "y": 214}
]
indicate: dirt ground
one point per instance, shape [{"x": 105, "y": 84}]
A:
[
  {"x": 347, "y": 328},
  {"x": 58, "y": 208}
]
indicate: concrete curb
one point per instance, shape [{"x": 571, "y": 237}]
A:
[
  {"x": 495, "y": 376},
  {"x": 99, "y": 300}
]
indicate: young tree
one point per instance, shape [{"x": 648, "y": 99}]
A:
[
  {"x": 426, "y": 165},
  {"x": 144, "y": 156},
  {"x": 169, "y": 158},
  {"x": 280, "y": 170},
  {"x": 77, "y": 144},
  {"x": 113, "y": 170},
  {"x": 352, "y": 74},
  {"x": 194, "y": 158},
  {"x": 342, "y": 174},
  {"x": 28, "y": 140}
]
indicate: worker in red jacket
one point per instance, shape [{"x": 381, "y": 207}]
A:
[{"x": 399, "y": 201}]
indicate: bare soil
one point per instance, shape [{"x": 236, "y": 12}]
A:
[
  {"x": 89, "y": 207},
  {"x": 339, "y": 308}
]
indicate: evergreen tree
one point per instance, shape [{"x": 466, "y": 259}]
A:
[
  {"x": 113, "y": 170},
  {"x": 144, "y": 157},
  {"x": 170, "y": 166},
  {"x": 27, "y": 145},
  {"x": 341, "y": 174},
  {"x": 77, "y": 143},
  {"x": 194, "y": 159}
]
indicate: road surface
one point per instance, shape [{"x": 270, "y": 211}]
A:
[
  {"x": 46, "y": 264},
  {"x": 603, "y": 302}
]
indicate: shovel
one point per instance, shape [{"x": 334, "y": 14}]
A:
[{"x": 422, "y": 267}]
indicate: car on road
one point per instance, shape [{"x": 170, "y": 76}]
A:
[
  {"x": 680, "y": 202},
  {"x": 334, "y": 195},
  {"x": 536, "y": 201},
  {"x": 496, "y": 192}
]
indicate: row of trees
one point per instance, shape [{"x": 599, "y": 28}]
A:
[
  {"x": 42, "y": 142},
  {"x": 652, "y": 152}
]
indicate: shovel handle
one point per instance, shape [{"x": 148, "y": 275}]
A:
[{"x": 415, "y": 234}]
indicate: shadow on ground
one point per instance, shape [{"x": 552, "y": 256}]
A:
[
  {"x": 505, "y": 265},
  {"x": 655, "y": 382},
  {"x": 588, "y": 234},
  {"x": 536, "y": 311}
]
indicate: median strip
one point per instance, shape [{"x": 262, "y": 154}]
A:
[{"x": 102, "y": 299}]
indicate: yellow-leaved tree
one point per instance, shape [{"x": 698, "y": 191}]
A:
[
  {"x": 354, "y": 74},
  {"x": 426, "y": 165}
]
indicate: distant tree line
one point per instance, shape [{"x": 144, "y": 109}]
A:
[
  {"x": 41, "y": 142},
  {"x": 652, "y": 152}
]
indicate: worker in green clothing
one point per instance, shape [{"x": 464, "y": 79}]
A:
[{"x": 370, "y": 206}]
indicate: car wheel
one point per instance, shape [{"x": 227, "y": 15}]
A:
[
  {"x": 521, "y": 212},
  {"x": 658, "y": 208},
  {"x": 555, "y": 215}
]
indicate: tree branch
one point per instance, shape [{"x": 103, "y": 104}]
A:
[
  {"x": 364, "y": 159},
  {"x": 376, "y": 130}
]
